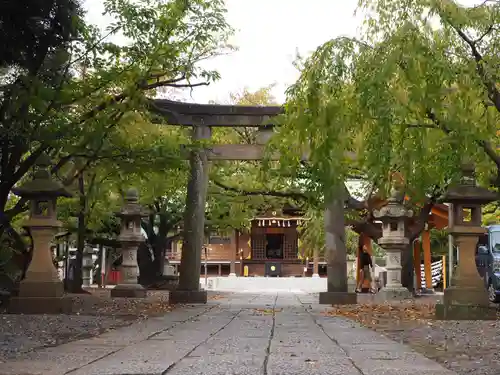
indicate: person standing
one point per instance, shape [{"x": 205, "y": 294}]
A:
[{"x": 365, "y": 263}]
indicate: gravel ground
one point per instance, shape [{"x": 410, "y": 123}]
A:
[
  {"x": 20, "y": 334},
  {"x": 92, "y": 315},
  {"x": 466, "y": 347}
]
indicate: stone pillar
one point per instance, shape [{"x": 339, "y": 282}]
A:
[
  {"x": 336, "y": 251},
  {"x": 235, "y": 245},
  {"x": 41, "y": 291},
  {"x": 87, "y": 265},
  {"x": 394, "y": 217},
  {"x": 130, "y": 238},
  {"x": 188, "y": 290},
  {"x": 467, "y": 298}
]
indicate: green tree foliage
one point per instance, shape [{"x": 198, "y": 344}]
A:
[
  {"x": 312, "y": 235},
  {"x": 73, "y": 94},
  {"x": 38, "y": 29},
  {"x": 417, "y": 93},
  {"x": 70, "y": 104}
]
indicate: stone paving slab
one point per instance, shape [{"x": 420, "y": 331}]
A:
[
  {"x": 310, "y": 365},
  {"x": 228, "y": 364},
  {"x": 257, "y": 334},
  {"x": 237, "y": 346},
  {"x": 72, "y": 356}
]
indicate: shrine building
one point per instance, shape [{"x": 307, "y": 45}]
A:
[{"x": 271, "y": 247}]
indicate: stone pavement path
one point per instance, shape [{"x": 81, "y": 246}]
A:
[{"x": 254, "y": 334}]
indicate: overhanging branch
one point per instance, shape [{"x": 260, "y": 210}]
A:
[
  {"x": 488, "y": 82},
  {"x": 272, "y": 193}
]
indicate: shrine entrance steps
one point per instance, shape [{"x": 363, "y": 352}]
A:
[{"x": 240, "y": 333}]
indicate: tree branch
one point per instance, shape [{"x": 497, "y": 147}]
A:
[
  {"x": 281, "y": 194},
  {"x": 488, "y": 82},
  {"x": 488, "y": 30}
]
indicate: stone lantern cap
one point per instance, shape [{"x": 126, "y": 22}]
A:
[
  {"x": 467, "y": 192},
  {"x": 394, "y": 209},
  {"x": 132, "y": 208},
  {"x": 42, "y": 185}
]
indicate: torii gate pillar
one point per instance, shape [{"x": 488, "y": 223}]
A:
[
  {"x": 188, "y": 290},
  {"x": 336, "y": 293}
]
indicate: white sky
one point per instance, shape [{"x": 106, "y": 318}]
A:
[{"x": 268, "y": 34}]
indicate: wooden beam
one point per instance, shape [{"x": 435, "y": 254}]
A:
[
  {"x": 248, "y": 152},
  {"x": 194, "y": 114}
]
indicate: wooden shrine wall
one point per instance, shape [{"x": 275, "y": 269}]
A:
[
  {"x": 258, "y": 243},
  {"x": 290, "y": 241},
  {"x": 290, "y": 245}
]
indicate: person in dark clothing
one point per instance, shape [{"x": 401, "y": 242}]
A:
[{"x": 365, "y": 263}]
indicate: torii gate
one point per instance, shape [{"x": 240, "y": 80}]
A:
[{"x": 202, "y": 117}]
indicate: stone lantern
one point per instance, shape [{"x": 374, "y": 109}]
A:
[
  {"x": 394, "y": 217},
  {"x": 130, "y": 238},
  {"x": 467, "y": 298},
  {"x": 41, "y": 291}
]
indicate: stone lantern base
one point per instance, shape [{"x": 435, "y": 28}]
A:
[
  {"x": 40, "y": 305},
  {"x": 465, "y": 312},
  {"x": 129, "y": 291},
  {"x": 462, "y": 303},
  {"x": 338, "y": 298},
  {"x": 393, "y": 294},
  {"x": 40, "y": 298},
  {"x": 188, "y": 296}
]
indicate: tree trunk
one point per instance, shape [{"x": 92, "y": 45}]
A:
[
  {"x": 407, "y": 270},
  {"x": 76, "y": 283},
  {"x": 6, "y": 227},
  {"x": 160, "y": 246},
  {"x": 146, "y": 265}
]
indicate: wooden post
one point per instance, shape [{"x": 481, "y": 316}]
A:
[
  {"x": 220, "y": 269},
  {"x": 336, "y": 252},
  {"x": 417, "y": 263},
  {"x": 234, "y": 250},
  {"x": 426, "y": 245},
  {"x": 194, "y": 225}
]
